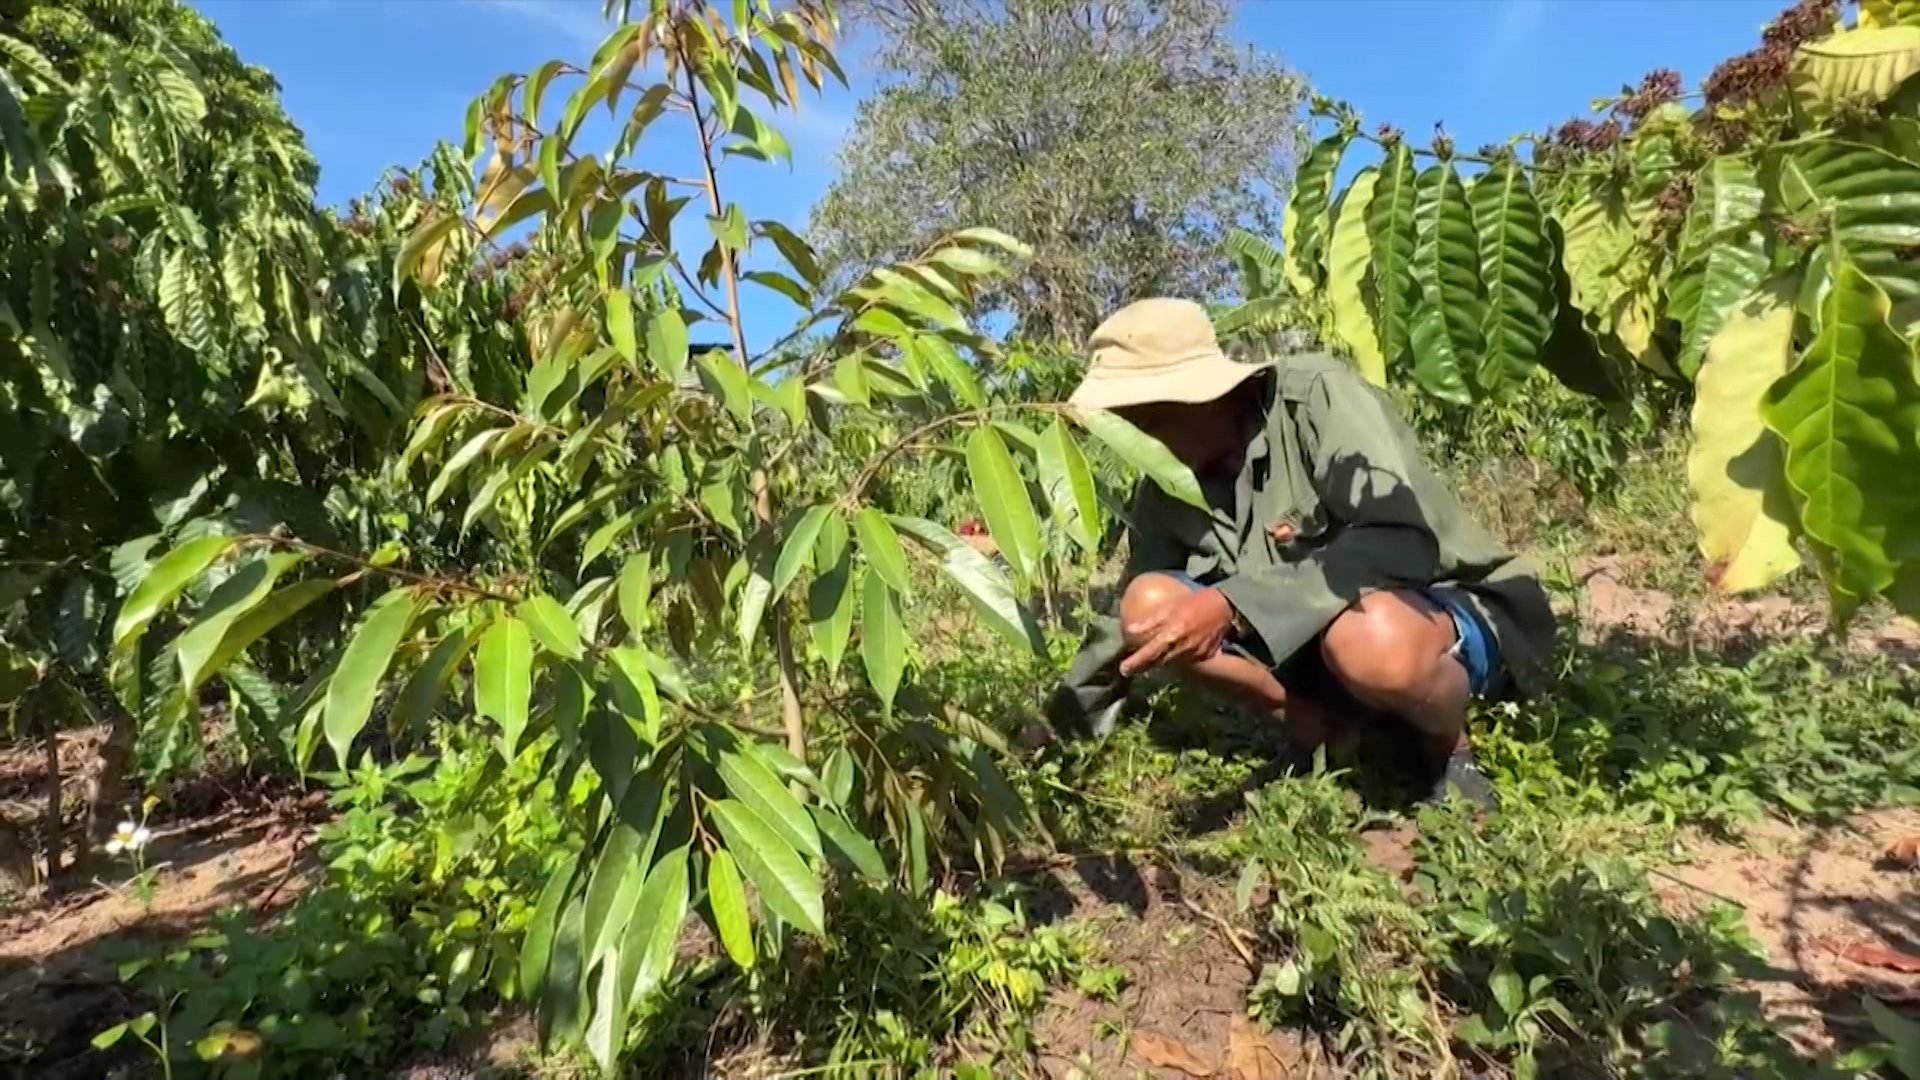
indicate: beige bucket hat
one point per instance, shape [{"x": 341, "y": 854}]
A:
[{"x": 1158, "y": 350}]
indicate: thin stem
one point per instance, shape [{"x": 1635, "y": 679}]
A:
[
  {"x": 363, "y": 567},
  {"x": 793, "y": 718},
  {"x": 905, "y": 441}
]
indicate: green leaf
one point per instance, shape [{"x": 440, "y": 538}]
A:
[
  {"x": 830, "y": 598},
  {"x": 1308, "y": 210},
  {"x": 620, "y": 869},
  {"x": 1740, "y": 506},
  {"x": 1146, "y": 454},
  {"x": 1068, "y": 483},
  {"x": 728, "y": 382},
  {"x": 1349, "y": 257},
  {"x": 667, "y": 342},
  {"x": 787, "y": 887},
  {"x": 356, "y": 681},
  {"x": 782, "y": 284},
  {"x": 1901, "y": 1033},
  {"x": 1722, "y": 256},
  {"x": 1516, "y": 266},
  {"x": 635, "y": 693},
  {"x": 560, "y": 996},
  {"x": 905, "y": 294},
  {"x": 755, "y": 594},
  {"x": 847, "y": 845},
  {"x": 646, "y": 957},
  {"x": 234, "y": 598},
  {"x": 729, "y": 229},
  {"x": 551, "y": 625},
  {"x": 1875, "y": 13},
  {"x": 620, "y": 324},
  {"x": 1394, "y": 291},
  {"x": 163, "y": 584},
  {"x": 1872, "y": 199},
  {"x": 503, "y": 679},
  {"x": 1507, "y": 990},
  {"x": 950, "y": 368},
  {"x": 837, "y": 776},
  {"x": 636, "y": 592},
  {"x": 536, "y": 947},
  {"x": 984, "y": 586},
  {"x": 257, "y": 623},
  {"x": 751, "y": 782},
  {"x": 797, "y": 550},
  {"x": 985, "y": 237},
  {"x": 1446, "y": 265},
  {"x": 416, "y": 702},
  {"x": 1004, "y": 502},
  {"x": 1847, "y": 413},
  {"x": 727, "y": 898},
  {"x": 106, "y": 1039},
  {"x": 1862, "y": 66},
  {"x": 882, "y": 547},
  {"x": 883, "y": 640},
  {"x": 468, "y": 453}
]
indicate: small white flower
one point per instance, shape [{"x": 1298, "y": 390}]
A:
[
  {"x": 1512, "y": 709},
  {"x": 115, "y": 847},
  {"x": 141, "y": 835},
  {"x": 126, "y": 827},
  {"x": 129, "y": 837}
]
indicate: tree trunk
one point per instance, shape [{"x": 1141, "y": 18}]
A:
[
  {"x": 54, "y": 821},
  {"x": 107, "y": 787}
]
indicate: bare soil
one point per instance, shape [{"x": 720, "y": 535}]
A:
[{"x": 1835, "y": 912}]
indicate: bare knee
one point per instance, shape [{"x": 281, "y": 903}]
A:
[
  {"x": 1383, "y": 651},
  {"x": 1147, "y": 597}
]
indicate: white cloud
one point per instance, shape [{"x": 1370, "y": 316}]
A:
[
  {"x": 1516, "y": 28},
  {"x": 577, "y": 20}
]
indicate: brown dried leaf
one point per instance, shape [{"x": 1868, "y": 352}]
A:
[
  {"x": 1167, "y": 1053},
  {"x": 1877, "y": 957},
  {"x": 1905, "y": 851},
  {"x": 1248, "y": 1056}
]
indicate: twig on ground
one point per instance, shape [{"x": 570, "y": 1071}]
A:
[
  {"x": 1227, "y": 931},
  {"x": 1677, "y": 880}
]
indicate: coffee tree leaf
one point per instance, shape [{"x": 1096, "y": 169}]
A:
[
  {"x": 1722, "y": 257},
  {"x": 1847, "y": 413},
  {"x": 1349, "y": 258},
  {"x": 1516, "y": 257},
  {"x": 1446, "y": 265},
  {"x": 1734, "y": 467},
  {"x": 1308, "y": 213},
  {"x": 1393, "y": 290}
]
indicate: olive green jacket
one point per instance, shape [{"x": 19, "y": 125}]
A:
[{"x": 1334, "y": 499}]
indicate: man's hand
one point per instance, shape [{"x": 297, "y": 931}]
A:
[{"x": 1181, "y": 633}]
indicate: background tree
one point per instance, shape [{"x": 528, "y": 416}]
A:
[{"x": 1123, "y": 140}]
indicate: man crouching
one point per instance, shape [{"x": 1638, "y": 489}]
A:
[{"x": 1332, "y": 577}]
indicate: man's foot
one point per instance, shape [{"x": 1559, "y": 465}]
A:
[{"x": 1462, "y": 778}]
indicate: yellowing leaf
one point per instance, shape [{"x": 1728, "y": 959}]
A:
[
  {"x": 1863, "y": 65},
  {"x": 1734, "y": 466},
  {"x": 727, "y": 898},
  {"x": 1349, "y": 256}
]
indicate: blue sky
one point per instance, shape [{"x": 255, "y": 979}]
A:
[{"x": 376, "y": 82}]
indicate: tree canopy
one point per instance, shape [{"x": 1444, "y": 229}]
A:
[{"x": 1122, "y": 139}]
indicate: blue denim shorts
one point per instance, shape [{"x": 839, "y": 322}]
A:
[{"x": 1474, "y": 644}]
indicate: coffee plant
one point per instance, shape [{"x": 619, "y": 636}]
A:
[
  {"x": 647, "y": 536},
  {"x": 1760, "y": 247}
]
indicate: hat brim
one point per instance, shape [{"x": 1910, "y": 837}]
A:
[{"x": 1203, "y": 377}]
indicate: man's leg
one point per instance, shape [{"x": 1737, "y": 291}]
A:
[
  {"x": 1242, "y": 679},
  {"x": 1393, "y": 650}
]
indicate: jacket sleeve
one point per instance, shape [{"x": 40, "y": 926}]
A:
[
  {"x": 1093, "y": 685},
  {"x": 1380, "y": 538}
]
